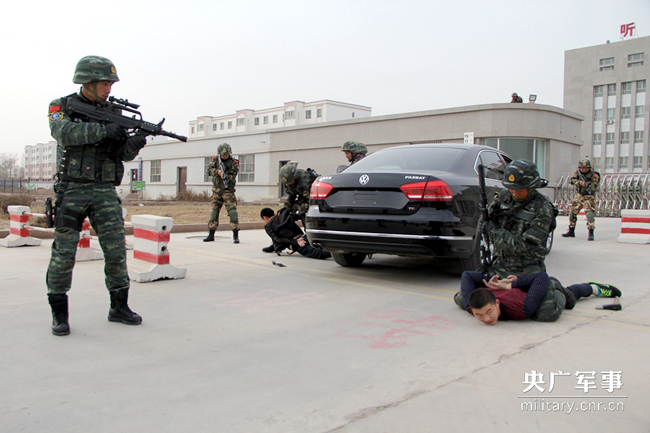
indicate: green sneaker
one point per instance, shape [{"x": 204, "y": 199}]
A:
[{"x": 606, "y": 290}]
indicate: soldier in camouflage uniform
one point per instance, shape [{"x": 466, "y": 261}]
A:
[
  {"x": 297, "y": 182},
  {"x": 89, "y": 166},
  {"x": 587, "y": 181},
  {"x": 354, "y": 151},
  {"x": 224, "y": 169},
  {"x": 519, "y": 223}
]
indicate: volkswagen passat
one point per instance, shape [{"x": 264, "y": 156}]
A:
[{"x": 416, "y": 200}]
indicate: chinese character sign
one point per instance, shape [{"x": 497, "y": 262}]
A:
[{"x": 627, "y": 30}]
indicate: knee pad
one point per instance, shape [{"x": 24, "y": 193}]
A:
[
  {"x": 213, "y": 215},
  {"x": 233, "y": 216},
  {"x": 590, "y": 216}
]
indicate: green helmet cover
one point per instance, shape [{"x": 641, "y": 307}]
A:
[
  {"x": 288, "y": 173},
  {"x": 224, "y": 149},
  {"x": 584, "y": 163},
  {"x": 94, "y": 68},
  {"x": 521, "y": 174}
]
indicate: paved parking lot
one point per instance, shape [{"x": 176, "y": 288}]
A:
[{"x": 241, "y": 345}]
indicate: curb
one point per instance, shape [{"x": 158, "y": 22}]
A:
[{"x": 181, "y": 228}]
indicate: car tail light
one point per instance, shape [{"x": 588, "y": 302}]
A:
[
  {"x": 433, "y": 190},
  {"x": 320, "y": 190}
]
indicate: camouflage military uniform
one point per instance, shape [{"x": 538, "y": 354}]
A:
[
  {"x": 298, "y": 199},
  {"x": 583, "y": 198},
  {"x": 356, "y": 158},
  {"x": 223, "y": 192},
  {"x": 89, "y": 168},
  {"x": 520, "y": 232}
]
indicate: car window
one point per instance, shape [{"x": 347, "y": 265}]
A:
[
  {"x": 493, "y": 164},
  {"x": 408, "y": 159}
]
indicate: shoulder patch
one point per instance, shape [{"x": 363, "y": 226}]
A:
[
  {"x": 54, "y": 108},
  {"x": 55, "y": 116}
]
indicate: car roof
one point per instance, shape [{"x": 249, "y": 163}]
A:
[{"x": 447, "y": 145}]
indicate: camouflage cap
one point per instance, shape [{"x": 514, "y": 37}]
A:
[
  {"x": 584, "y": 163},
  {"x": 94, "y": 68},
  {"x": 288, "y": 173},
  {"x": 224, "y": 149},
  {"x": 521, "y": 174}
]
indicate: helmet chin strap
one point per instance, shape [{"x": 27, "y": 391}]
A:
[{"x": 91, "y": 89}]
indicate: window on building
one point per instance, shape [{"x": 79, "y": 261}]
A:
[
  {"x": 638, "y": 136},
  {"x": 240, "y": 121},
  {"x": 635, "y": 60},
  {"x": 214, "y": 127},
  {"x": 640, "y": 86},
  {"x": 598, "y": 138},
  {"x": 638, "y": 162},
  {"x": 625, "y": 112},
  {"x": 625, "y": 137},
  {"x": 257, "y": 121},
  {"x": 626, "y": 88},
  {"x": 353, "y": 114},
  {"x": 221, "y": 125},
  {"x": 192, "y": 130},
  {"x": 598, "y": 114},
  {"x": 200, "y": 127},
  {"x": 275, "y": 118},
  {"x": 156, "y": 171},
  {"x": 206, "y": 164},
  {"x": 230, "y": 124},
  {"x": 246, "y": 168},
  {"x": 598, "y": 91},
  {"x": 266, "y": 120},
  {"x": 308, "y": 114},
  {"x": 609, "y": 163},
  {"x": 611, "y": 89},
  {"x": 610, "y": 138},
  {"x": 291, "y": 114},
  {"x": 607, "y": 61},
  {"x": 622, "y": 163},
  {"x": 319, "y": 112},
  {"x": 640, "y": 110},
  {"x": 611, "y": 113}
]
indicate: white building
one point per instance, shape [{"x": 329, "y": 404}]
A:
[
  {"x": 292, "y": 113},
  {"x": 607, "y": 85},
  {"x": 39, "y": 161}
]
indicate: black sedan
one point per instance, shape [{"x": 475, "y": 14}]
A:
[{"x": 416, "y": 200}]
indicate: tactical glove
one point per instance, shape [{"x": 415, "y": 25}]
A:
[
  {"x": 485, "y": 226},
  {"x": 115, "y": 132},
  {"x": 137, "y": 141}
]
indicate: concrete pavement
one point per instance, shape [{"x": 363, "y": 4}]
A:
[{"x": 241, "y": 345}]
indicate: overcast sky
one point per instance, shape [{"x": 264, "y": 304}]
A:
[{"x": 185, "y": 59}]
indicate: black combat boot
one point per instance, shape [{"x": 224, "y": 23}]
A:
[
  {"x": 570, "y": 234},
  {"x": 59, "y": 304},
  {"x": 235, "y": 236},
  {"x": 210, "y": 237},
  {"x": 269, "y": 249},
  {"x": 120, "y": 311},
  {"x": 590, "y": 236}
]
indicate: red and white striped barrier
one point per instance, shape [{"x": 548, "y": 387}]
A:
[
  {"x": 84, "y": 251},
  {"x": 635, "y": 227},
  {"x": 150, "y": 250},
  {"x": 19, "y": 233}
]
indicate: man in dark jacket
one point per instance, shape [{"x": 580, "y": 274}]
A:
[{"x": 285, "y": 233}]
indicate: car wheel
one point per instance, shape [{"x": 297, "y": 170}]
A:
[
  {"x": 549, "y": 242},
  {"x": 349, "y": 259},
  {"x": 475, "y": 261}
]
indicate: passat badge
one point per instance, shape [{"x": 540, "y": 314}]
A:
[{"x": 364, "y": 179}]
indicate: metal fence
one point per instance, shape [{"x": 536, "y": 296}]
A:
[
  {"x": 13, "y": 186},
  {"x": 615, "y": 192}
]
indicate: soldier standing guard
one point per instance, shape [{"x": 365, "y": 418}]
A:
[
  {"x": 587, "y": 181},
  {"x": 89, "y": 166},
  {"x": 224, "y": 169},
  {"x": 354, "y": 151}
]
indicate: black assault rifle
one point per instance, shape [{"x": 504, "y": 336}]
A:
[
  {"x": 483, "y": 204},
  {"x": 222, "y": 167},
  {"x": 112, "y": 112}
]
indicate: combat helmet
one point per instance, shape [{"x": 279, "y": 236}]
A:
[
  {"x": 224, "y": 149},
  {"x": 584, "y": 163},
  {"x": 94, "y": 68},
  {"x": 288, "y": 173},
  {"x": 353, "y": 147},
  {"x": 521, "y": 174}
]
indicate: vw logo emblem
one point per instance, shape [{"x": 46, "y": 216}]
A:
[{"x": 364, "y": 179}]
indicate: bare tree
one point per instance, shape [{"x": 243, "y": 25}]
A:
[{"x": 8, "y": 165}]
